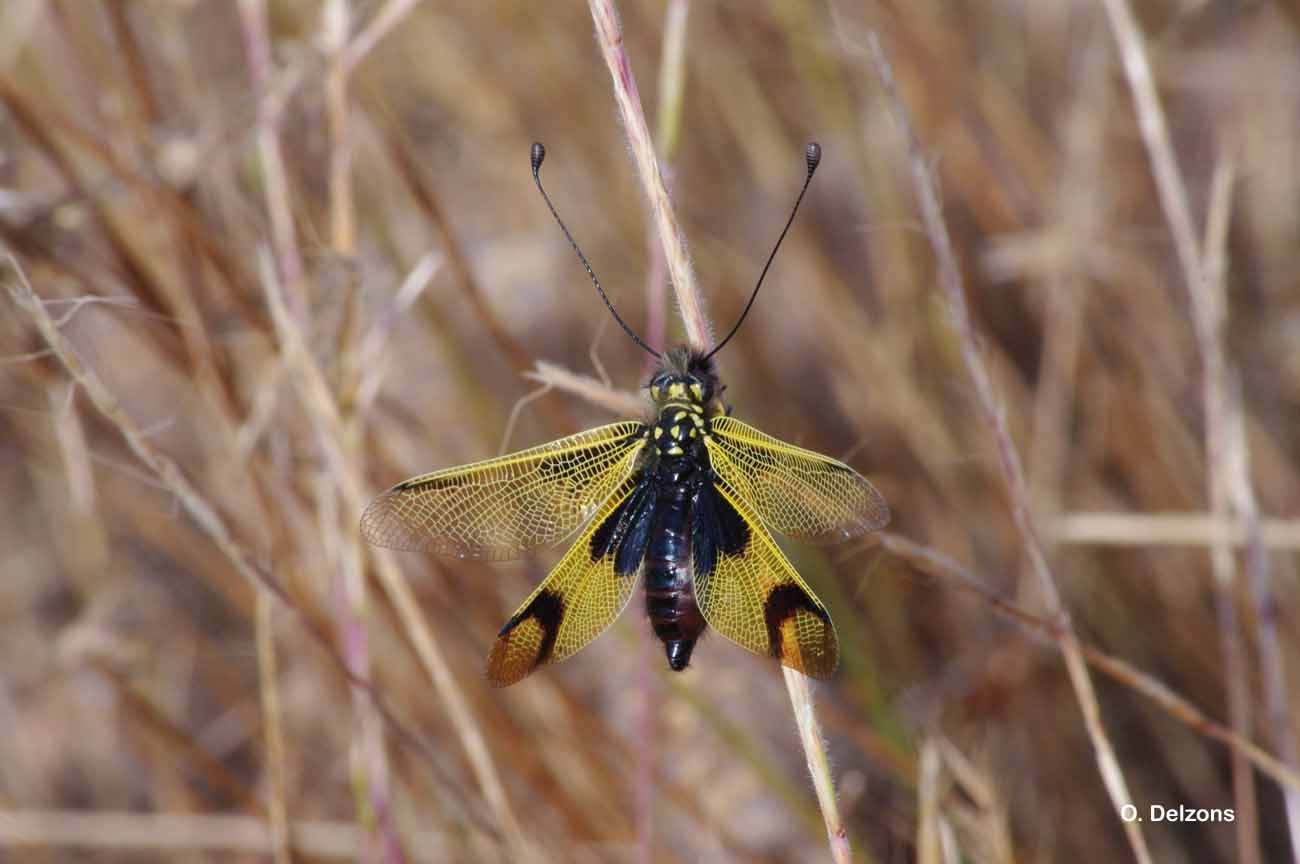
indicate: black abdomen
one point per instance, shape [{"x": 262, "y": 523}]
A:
[{"x": 669, "y": 591}]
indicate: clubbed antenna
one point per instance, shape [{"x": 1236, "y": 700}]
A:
[
  {"x": 812, "y": 154},
  {"x": 538, "y": 156}
]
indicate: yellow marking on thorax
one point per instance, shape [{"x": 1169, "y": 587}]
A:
[{"x": 673, "y": 413}]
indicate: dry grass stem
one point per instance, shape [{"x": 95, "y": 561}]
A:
[
  {"x": 951, "y": 283},
  {"x": 25, "y": 300},
  {"x": 169, "y": 474},
  {"x": 1241, "y": 503},
  {"x": 335, "y": 25},
  {"x": 819, "y": 766},
  {"x": 1209, "y": 295},
  {"x": 392, "y": 13},
  {"x": 1204, "y": 285},
  {"x": 699, "y": 334},
  {"x": 668, "y": 127},
  {"x": 370, "y": 352},
  {"x": 690, "y": 304},
  {"x": 262, "y": 260},
  {"x": 174, "y": 481},
  {"x": 620, "y": 403},
  {"x": 252, "y": 14},
  {"x": 938, "y": 564},
  {"x": 277, "y": 809},
  {"x": 1168, "y": 529},
  {"x": 320, "y": 405},
  {"x": 175, "y": 833}
]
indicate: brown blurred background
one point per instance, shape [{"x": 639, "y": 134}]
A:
[{"x": 138, "y": 171}]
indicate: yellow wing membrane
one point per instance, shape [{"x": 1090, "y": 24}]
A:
[
  {"x": 583, "y": 594},
  {"x": 797, "y": 492},
  {"x": 497, "y": 508},
  {"x": 753, "y": 596}
]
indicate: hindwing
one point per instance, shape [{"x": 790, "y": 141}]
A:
[
  {"x": 584, "y": 593},
  {"x": 749, "y": 592}
]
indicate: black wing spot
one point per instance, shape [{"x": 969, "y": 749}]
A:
[
  {"x": 718, "y": 527},
  {"x": 783, "y": 602},
  {"x": 547, "y": 608}
]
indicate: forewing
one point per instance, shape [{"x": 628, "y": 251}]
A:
[
  {"x": 583, "y": 594},
  {"x": 749, "y": 592},
  {"x": 497, "y": 508},
  {"x": 797, "y": 492}
]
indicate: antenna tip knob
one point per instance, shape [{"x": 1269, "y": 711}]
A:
[
  {"x": 812, "y": 154},
  {"x": 538, "y": 155}
]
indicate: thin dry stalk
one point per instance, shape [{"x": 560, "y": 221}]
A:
[
  {"x": 276, "y": 809},
  {"x": 388, "y": 17},
  {"x": 336, "y": 21},
  {"x": 927, "y": 810},
  {"x": 204, "y": 515},
  {"x": 699, "y": 333},
  {"x": 690, "y": 304},
  {"x": 935, "y": 563},
  {"x": 198, "y": 508},
  {"x": 1241, "y": 497},
  {"x": 468, "y": 730},
  {"x": 370, "y": 350},
  {"x": 184, "y": 832},
  {"x": 1207, "y": 320},
  {"x": 1277, "y": 698},
  {"x": 621, "y": 403},
  {"x": 1095, "y": 528},
  {"x": 819, "y": 766},
  {"x": 458, "y": 262},
  {"x": 323, "y": 410},
  {"x": 1155, "y": 134},
  {"x": 951, "y": 281},
  {"x": 668, "y": 133},
  {"x": 1076, "y": 208},
  {"x": 257, "y": 44},
  {"x": 668, "y": 128},
  {"x": 1211, "y": 293},
  {"x": 515, "y": 411},
  {"x": 371, "y": 777}
]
